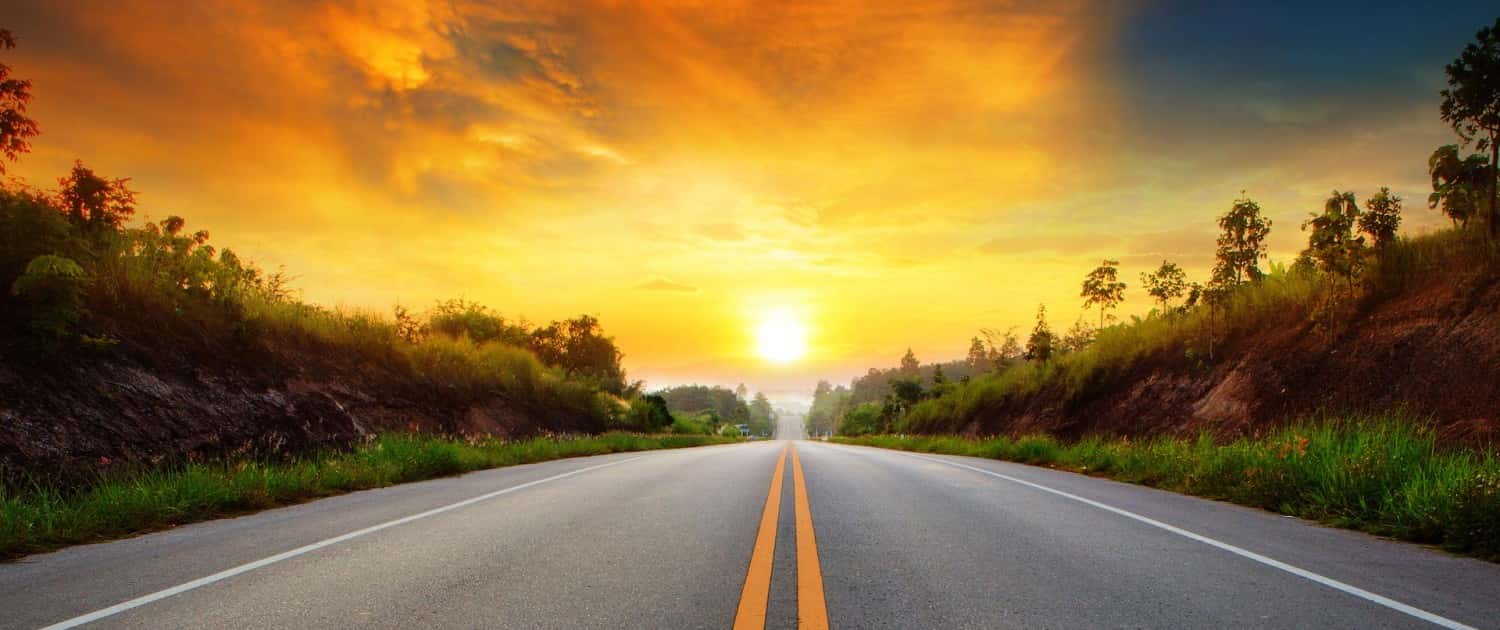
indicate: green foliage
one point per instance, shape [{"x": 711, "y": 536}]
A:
[
  {"x": 134, "y": 500},
  {"x": 464, "y": 318},
  {"x": 1460, "y": 187},
  {"x": 1384, "y": 474},
  {"x": 828, "y": 408},
  {"x": 910, "y": 366},
  {"x": 1039, "y": 344},
  {"x": 1471, "y": 104},
  {"x": 1241, "y": 243},
  {"x": 648, "y": 413},
  {"x": 726, "y": 404},
  {"x": 1102, "y": 288},
  {"x": 1331, "y": 242},
  {"x": 695, "y": 424},
  {"x": 1167, "y": 283},
  {"x": 51, "y": 291},
  {"x": 1382, "y": 217},
  {"x": 762, "y": 417},
  {"x": 863, "y": 419}
]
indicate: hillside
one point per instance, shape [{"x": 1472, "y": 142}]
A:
[
  {"x": 126, "y": 345},
  {"x": 1418, "y": 332},
  {"x": 1430, "y": 346}
]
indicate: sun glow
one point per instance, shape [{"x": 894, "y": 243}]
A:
[{"x": 781, "y": 339}]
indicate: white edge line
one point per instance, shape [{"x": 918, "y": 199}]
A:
[
  {"x": 251, "y": 566},
  {"x": 1350, "y": 589}
]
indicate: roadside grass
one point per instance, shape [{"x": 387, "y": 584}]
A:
[
  {"x": 124, "y": 503},
  {"x": 1384, "y": 475}
]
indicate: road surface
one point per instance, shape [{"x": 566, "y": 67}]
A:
[{"x": 700, "y": 538}]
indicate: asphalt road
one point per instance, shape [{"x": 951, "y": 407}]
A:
[{"x": 668, "y": 540}]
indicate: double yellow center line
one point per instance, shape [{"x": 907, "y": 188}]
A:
[{"x": 812, "y": 611}]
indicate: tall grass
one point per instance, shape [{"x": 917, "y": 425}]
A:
[
  {"x": 121, "y": 504},
  {"x": 1384, "y": 475}
]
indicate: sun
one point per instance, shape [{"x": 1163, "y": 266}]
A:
[{"x": 781, "y": 339}]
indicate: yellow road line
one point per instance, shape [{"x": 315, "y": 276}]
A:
[
  {"x": 812, "y": 610},
  {"x": 752, "y": 611}
]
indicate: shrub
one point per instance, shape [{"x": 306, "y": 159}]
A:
[{"x": 51, "y": 290}]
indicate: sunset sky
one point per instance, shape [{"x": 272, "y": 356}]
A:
[{"x": 694, "y": 172}]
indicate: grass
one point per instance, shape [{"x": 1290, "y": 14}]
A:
[
  {"x": 1383, "y": 475},
  {"x": 129, "y": 502}
]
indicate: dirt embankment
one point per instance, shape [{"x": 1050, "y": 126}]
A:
[
  {"x": 1432, "y": 349},
  {"x": 171, "y": 401}
]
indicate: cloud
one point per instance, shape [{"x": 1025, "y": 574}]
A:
[{"x": 667, "y": 286}]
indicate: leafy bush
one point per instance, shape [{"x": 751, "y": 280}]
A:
[
  {"x": 648, "y": 413},
  {"x": 52, "y": 290}
]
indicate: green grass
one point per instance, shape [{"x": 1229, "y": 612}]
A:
[
  {"x": 125, "y": 503},
  {"x": 1384, "y": 475}
]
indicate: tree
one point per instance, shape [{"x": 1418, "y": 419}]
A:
[
  {"x": 762, "y": 416},
  {"x": 1459, "y": 186},
  {"x": 1242, "y": 243},
  {"x": 1471, "y": 104},
  {"x": 909, "y": 364},
  {"x": 979, "y": 357},
  {"x": 1039, "y": 344},
  {"x": 1102, "y": 288},
  {"x": 16, "y": 129},
  {"x": 1003, "y": 347},
  {"x": 1331, "y": 241},
  {"x": 1382, "y": 217},
  {"x": 580, "y": 348},
  {"x": 1167, "y": 283},
  {"x": 648, "y": 413},
  {"x": 1077, "y": 338},
  {"x": 95, "y": 204}
]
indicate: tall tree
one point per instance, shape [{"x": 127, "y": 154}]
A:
[
  {"x": 979, "y": 357},
  {"x": 16, "y": 128},
  {"x": 1471, "y": 104},
  {"x": 1039, "y": 344},
  {"x": 1459, "y": 185},
  {"x": 909, "y": 364},
  {"x": 1241, "y": 244},
  {"x": 93, "y": 203},
  {"x": 1331, "y": 242},
  {"x": 1381, "y": 218},
  {"x": 1102, "y": 288},
  {"x": 1167, "y": 283}
]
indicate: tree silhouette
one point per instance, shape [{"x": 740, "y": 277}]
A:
[
  {"x": 1039, "y": 344},
  {"x": 1241, "y": 244},
  {"x": 1471, "y": 104},
  {"x": 1167, "y": 283},
  {"x": 93, "y": 203},
  {"x": 16, "y": 128},
  {"x": 1382, "y": 217},
  {"x": 1102, "y": 288}
]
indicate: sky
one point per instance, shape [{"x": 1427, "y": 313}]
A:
[{"x": 874, "y": 176}]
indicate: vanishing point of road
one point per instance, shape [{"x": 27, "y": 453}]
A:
[{"x": 776, "y": 534}]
